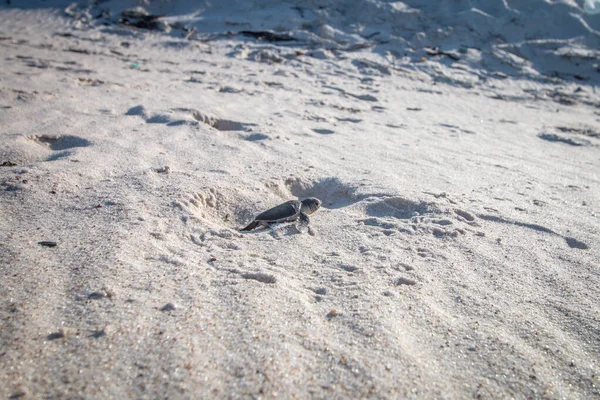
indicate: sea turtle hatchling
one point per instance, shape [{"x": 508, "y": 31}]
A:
[{"x": 287, "y": 212}]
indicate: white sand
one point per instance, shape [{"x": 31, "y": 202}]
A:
[{"x": 456, "y": 254}]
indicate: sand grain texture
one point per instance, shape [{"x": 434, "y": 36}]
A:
[{"x": 455, "y": 255}]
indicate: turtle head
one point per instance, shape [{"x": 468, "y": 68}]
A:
[{"x": 310, "y": 205}]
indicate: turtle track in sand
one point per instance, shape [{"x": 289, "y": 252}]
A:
[{"x": 389, "y": 212}]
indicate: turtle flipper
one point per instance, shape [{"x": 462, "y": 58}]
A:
[
  {"x": 303, "y": 221},
  {"x": 251, "y": 226}
]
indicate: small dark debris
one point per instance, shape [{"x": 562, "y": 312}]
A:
[
  {"x": 97, "y": 295},
  {"x": 365, "y": 97},
  {"x": 331, "y": 314},
  {"x": 372, "y": 35},
  {"x": 79, "y": 51},
  {"x": 395, "y": 126},
  {"x": 352, "y": 120},
  {"x": 449, "y": 126},
  {"x": 168, "y": 307},
  {"x": 322, "y": 291},
  {"x": 435, "y": 51},
  {"x": 268, "y": 36},
  {"x": 413, "y": 109},
  {"x": 8, "y": 164},
  {"x": 48, "y": 244},
  {"x": 274, "y": 84},
  {"x": 56, "y": 335},
  {"x": 194, "y": 80},
  {"x": 141, "y": 20},
  {"x": 98, "y": 334}
]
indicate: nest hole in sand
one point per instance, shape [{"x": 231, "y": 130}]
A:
[
  {"x": 234, "y": 208},
  {"x": 221, "y": 207},
  {"x": 331, "y": 191}
]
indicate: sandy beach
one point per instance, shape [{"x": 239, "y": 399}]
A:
[{"x": 455, "y": 147}]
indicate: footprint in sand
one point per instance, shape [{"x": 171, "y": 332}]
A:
[
  {"x": 222, "y": 124},
  {"x": 255, "y": 137},
  {"x": 45, "y": 147},
  {"x": 58, "y": 143},
  {"x": 187, "y": 116}
]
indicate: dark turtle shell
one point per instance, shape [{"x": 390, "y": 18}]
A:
[{"x": 283, "y": 211}]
